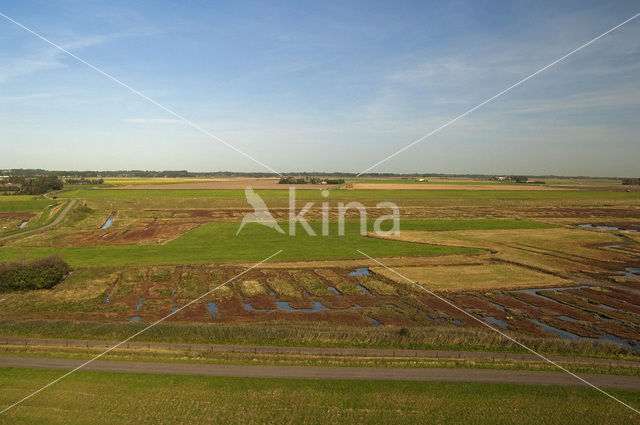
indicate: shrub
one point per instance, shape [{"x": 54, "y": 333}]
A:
[{"x": 43, "y": 273}]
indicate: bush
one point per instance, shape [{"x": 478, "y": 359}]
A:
[{"x": 43, "y": 273}]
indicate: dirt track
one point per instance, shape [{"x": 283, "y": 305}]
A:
[
  {"x": 55, "y": 222},
  {"x": 315, "y": 351},
  {"x": 341, "y": 373}
]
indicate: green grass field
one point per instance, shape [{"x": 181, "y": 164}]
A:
[
  {"x": 23, "y": 203},
  {"x": 107, "y": 398},
  {"x": 217, "y": 242}
]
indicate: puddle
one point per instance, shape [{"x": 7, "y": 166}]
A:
[
  {"x": 566, "y": 318},
  {"x": 591, "y": 226},
  {"x": 534, "y": 292},
  {"x": 560, "y": 332},
  {"x": 633, "y": 272},
  {"x": 362, "y": 271},
  {"x": 363, "y": 289},
  {"x": 606, "y": 307},
  {"x": 334, "y": 290},
  {"x": 305, "y": 293},
  {"x": 374, "y": 322},
  {"x": 495, "y": 321},
  {"x": 284, "y": 306},
  {"x": 104, "y": 236},
  {"x": 317, "y": 306},
  {"x": 139, "y": 306},
  {"x": 498, "y": 306},
  {"x": 213, "y": 309},
  {"x": 175, "y": 300},
  {"x": 612, "y": 338},
  {"x": 134, "y": 318},
  {"x": 22, "y": 225},
  {"x": 616, "y": 245},
  {"x": 248, "y": 307},
  {"x": 109, "y": 221},
  {"x": 272, "y": 293},
  {"x": 457, "y": 322},
  {"x": 113, "y": 285}
]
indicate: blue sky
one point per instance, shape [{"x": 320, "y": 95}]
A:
[{"x": 332, "y": 86}]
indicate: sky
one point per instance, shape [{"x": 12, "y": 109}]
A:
[{"x": 322, "y": 86}]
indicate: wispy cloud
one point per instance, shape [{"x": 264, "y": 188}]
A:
[
  {"x": 49, "y": 58},
  {"x": 27, "y": 97}
]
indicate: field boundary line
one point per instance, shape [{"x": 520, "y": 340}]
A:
[
  {"x": 140, "y": 94},
  {"x": 321, "y": 351},
  {"x": 482, "y": 322},
  {"x": 448, "y": 123},
  {"x": 138, "y": 333}
]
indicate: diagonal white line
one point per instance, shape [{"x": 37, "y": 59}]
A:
[
  {"x": 447, "y": 124},
  {"x": 137, "y": 333},
  {"x": 499, "y": 331},
  {"x": 142, "y": 95}
]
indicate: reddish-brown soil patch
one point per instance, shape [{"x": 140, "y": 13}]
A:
[
  {"x": 151, "y": 232},
  {"x": 18, "y": 215}
]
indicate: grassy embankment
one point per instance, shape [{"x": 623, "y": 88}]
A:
[
  {"x": 167, "y": 399},
  {"x": 310, "y": 334}
]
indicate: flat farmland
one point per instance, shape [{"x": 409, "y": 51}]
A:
[{"x": 479, "y": 248}]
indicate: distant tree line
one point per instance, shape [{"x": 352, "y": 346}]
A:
[
  {"x": 308, "y": 180},
  {"x": 517, "y": 179},
  {"x": 84, "y": 181},
  {"x": 31, "y": 172},
  {"x": 43, "y": 273},
  {"x": 31, "y": 186},
  {"x": 630, "y": 181}
]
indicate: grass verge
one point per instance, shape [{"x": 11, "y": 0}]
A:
[{"x": 106, "y": 398}]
